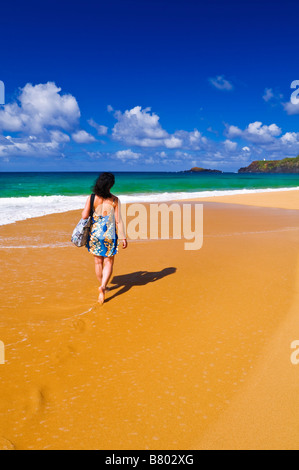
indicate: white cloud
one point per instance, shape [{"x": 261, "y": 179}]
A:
[
  {"x": 150, "y": 161},
  {"x": 291, "y": 108},
  {"x": 32, "y": 146},
  {"x": 230, "y": 146},
  {"x": 268, "y": 94},
  {"x": 193, "y": 140},
  {"x": 272, "y": 96},
  {"x": 38, "y": 108},
  {"x": 12, "y": 119},
  {"x": 173, "y": 142},
  {"x": 82, "y": 137},
  {"x": 275, "y": 97},
  {"x": 255, "y": 132},
  {"x": 101, "y": 130},
  {"x": 290, "y": 138},
  {"x": 141, "y": 127},
  {"x": 233, "y": 131},
  {"x": 127, "y": 155},
  {"x": 48, "y": 108},
  {"x": 210, "y": 129},
  {"x": 39, "y": 119},
  {"x": 267, "y": 141},
  {"x": 162, "y": 154},
  {"x": 59, "y": 136},
  {"x": 259, "y": 133},
  {"x": 42, "y": 118},
  {"x": 95, "y": 155},
  {"x": 183, "y": 155},
  {"x": 221, "y": 83}
]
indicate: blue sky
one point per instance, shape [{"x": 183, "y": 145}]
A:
[{"x": 147, "y": 85}]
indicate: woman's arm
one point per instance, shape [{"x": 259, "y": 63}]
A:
[
  {"x": 86, "y": 210},
  {"x": 120, "y": 223}
]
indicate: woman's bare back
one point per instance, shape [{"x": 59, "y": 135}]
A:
[{"x": 103, "y": 206}]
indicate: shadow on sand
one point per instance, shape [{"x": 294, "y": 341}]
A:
[{"x": 139, "y": 278}]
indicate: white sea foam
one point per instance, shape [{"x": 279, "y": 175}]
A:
[{"x": 22, "y": 208}]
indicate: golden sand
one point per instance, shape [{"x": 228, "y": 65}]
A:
[
  {"x": 277, "y": 199},
  {"x": 191, "y": 349}
]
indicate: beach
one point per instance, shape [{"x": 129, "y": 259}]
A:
[{"x": 190, "y": 351}]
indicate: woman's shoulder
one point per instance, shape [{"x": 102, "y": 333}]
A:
[
  {"x": 114, "y": 199},
  {"x": 91, "y": 196}
]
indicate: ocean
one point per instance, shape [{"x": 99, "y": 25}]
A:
[{"x": 27, "y": 195}]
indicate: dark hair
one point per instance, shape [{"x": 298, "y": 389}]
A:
[{"x": 103, "y": 185}]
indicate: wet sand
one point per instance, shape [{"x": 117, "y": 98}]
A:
[{"x": 190, "y": 351}]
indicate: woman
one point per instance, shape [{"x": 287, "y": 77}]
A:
[{"x": 107, "y": 227}]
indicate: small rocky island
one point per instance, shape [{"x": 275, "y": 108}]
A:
[
  {"x": 287, "y": 165},
  {"x": 201, "y": 170}
]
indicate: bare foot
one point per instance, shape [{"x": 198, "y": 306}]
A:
[{"x": 101, "y": 299}]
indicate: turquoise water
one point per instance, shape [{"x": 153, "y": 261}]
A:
[
  {"x": 27, "y": 195},
  {"x": 75, "y": 184}
]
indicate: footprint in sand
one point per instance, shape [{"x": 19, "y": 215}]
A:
[
  {"x": 63, "y": 353},
  {"x": 5, "y": 444},
  {"x": 97, "y": 308},
  {"x": 81, "y": 326},
  {"x": 36, "y": 401}
]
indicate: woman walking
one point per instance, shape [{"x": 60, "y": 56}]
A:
[{"x": 106, "y": 230}]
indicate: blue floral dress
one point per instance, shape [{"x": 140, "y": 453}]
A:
[{"x": 103, "y": 238}]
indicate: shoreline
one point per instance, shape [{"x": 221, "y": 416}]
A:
[{"x": 284, "y": 198}]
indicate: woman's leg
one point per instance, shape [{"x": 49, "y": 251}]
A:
[
  {"x": 107, "y": 273},
  {"x": 107, "y": 270},
  {"x": 98, "y": 260}
]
